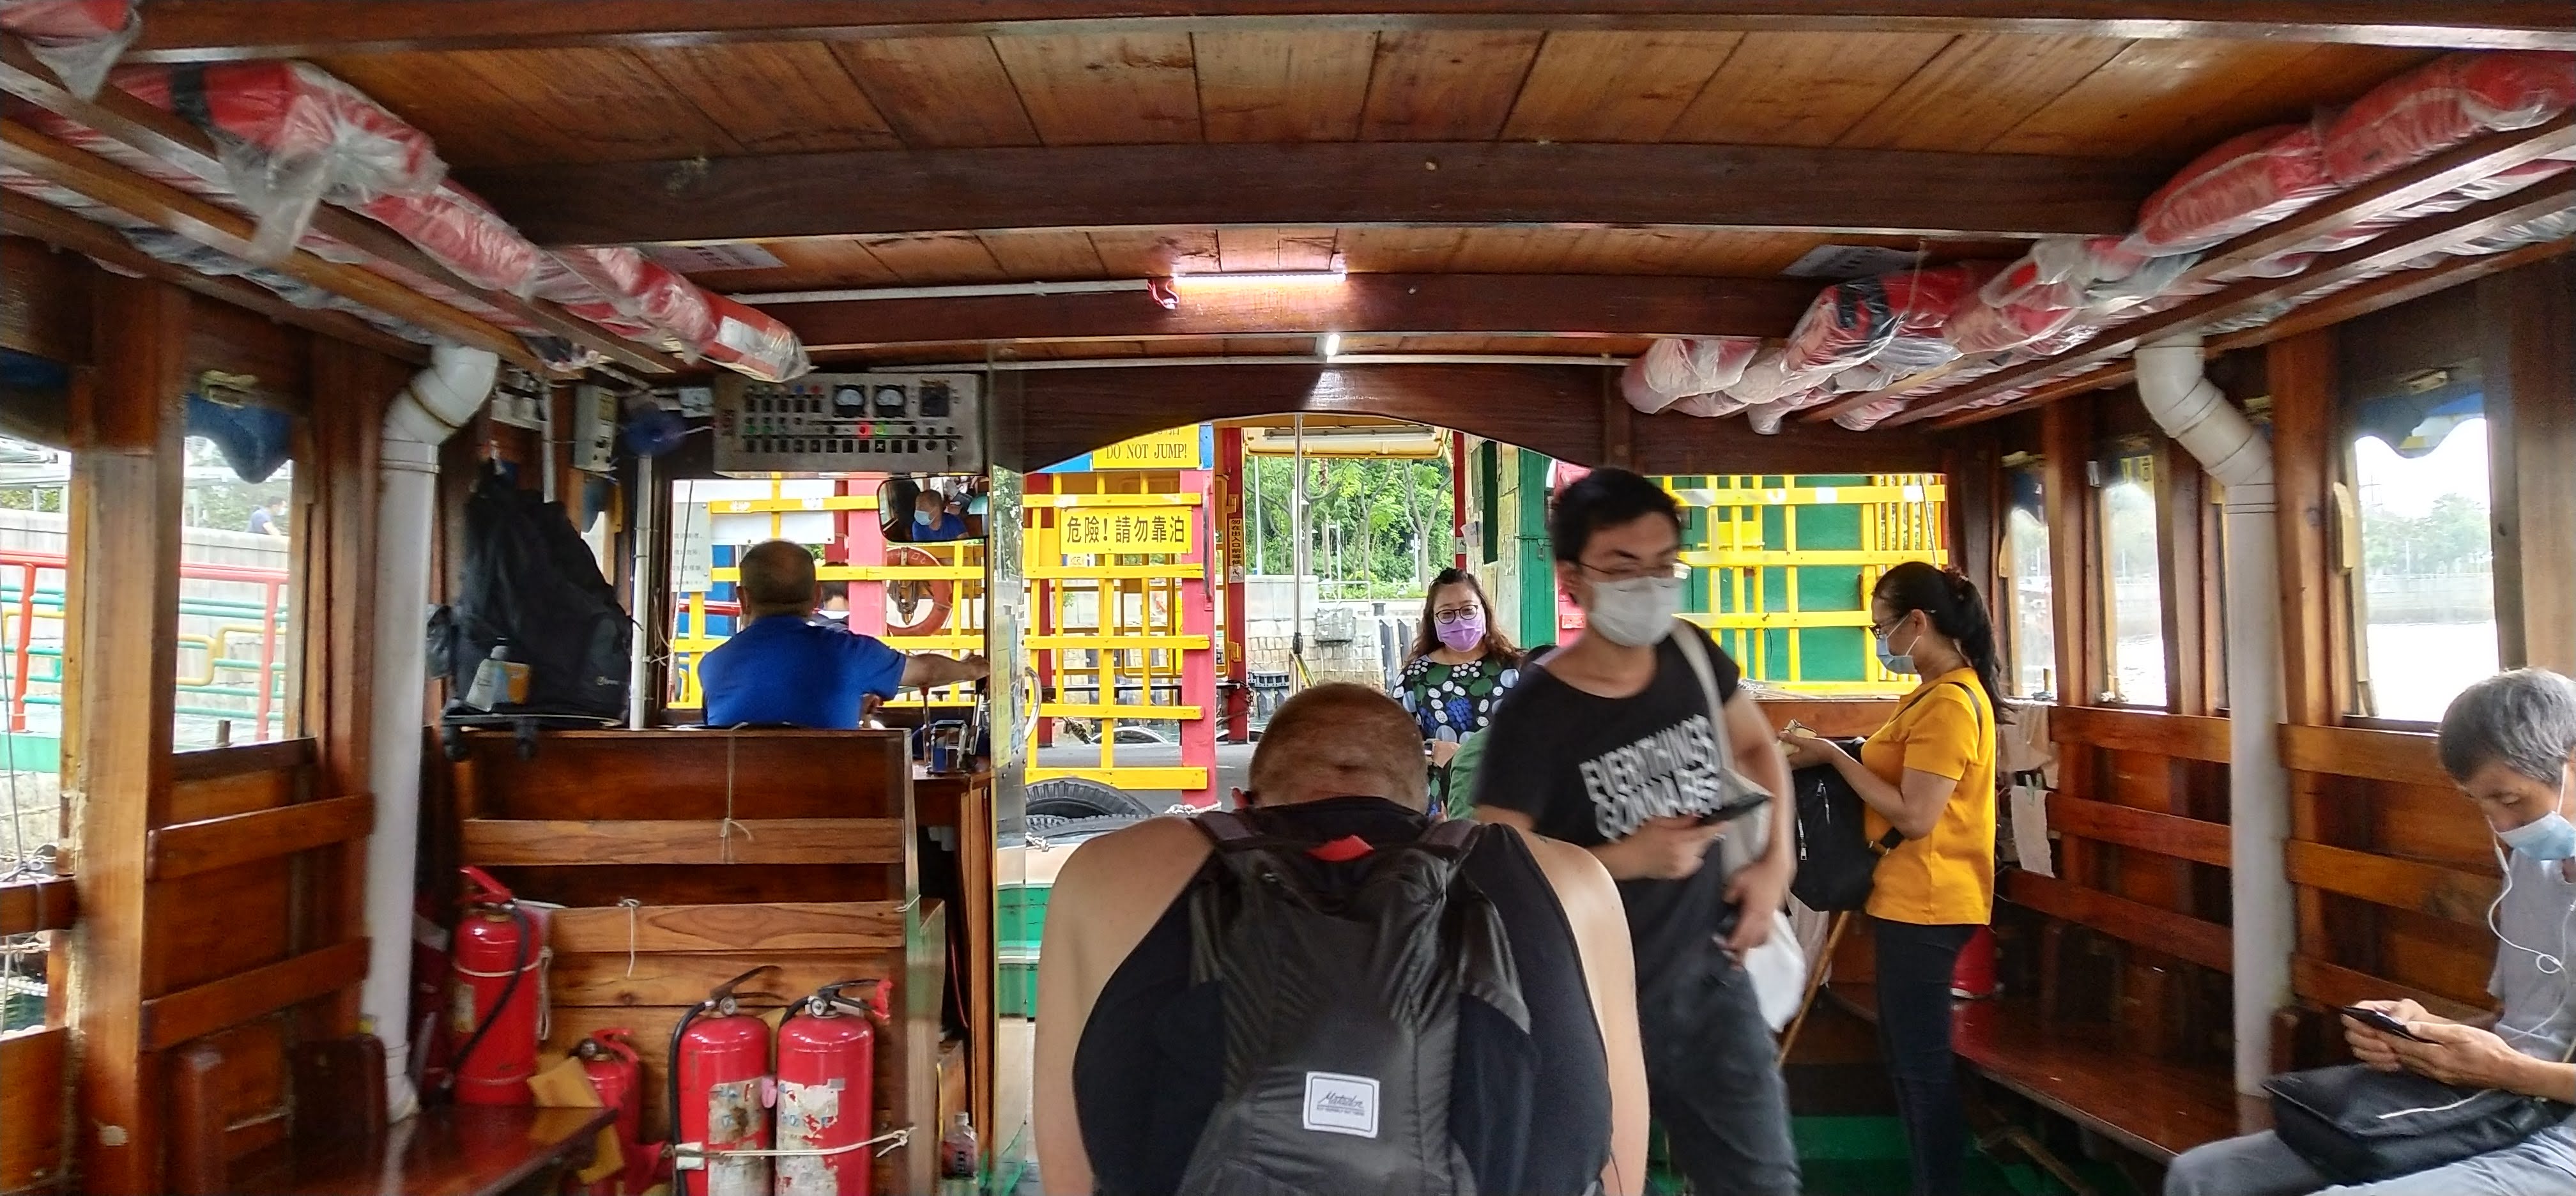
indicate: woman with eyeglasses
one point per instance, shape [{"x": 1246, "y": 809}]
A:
[
  {"x": 1460, "y": 667},
  {"x": 1930, "y": 775}
]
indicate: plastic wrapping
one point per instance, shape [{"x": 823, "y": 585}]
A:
[
  {"x": 2246, "y": 182},
  {"x": 291, "y": 135},
  {"x": 1766, "y": 378},
  {"x": 1708, "y": 406},
  {"x": 2004, "y": 317},
  {"x": 1853, "y": 323},
  {"x": 79, "y": 40},
  {"x": 751, "y": 342},
  {"x": 1675, "y": 368},
  {"x": 459, "y": 231},
  {"x": 1862, "y": 419},
  {"x": 2443, "y": 103},
  {"x": 630, "y": 294}
]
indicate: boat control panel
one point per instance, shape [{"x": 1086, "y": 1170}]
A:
[{"x": 850, "y": 423}]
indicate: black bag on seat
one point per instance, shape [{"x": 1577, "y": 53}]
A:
[
  {"x": 1340, "y": 1007},
  {"x": 2360, "y": 1126},
  {"x": 1836, "y": 860},
  {"x": 531, "y": 583}
]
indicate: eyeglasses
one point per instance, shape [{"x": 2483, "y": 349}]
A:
[
  {"x": 1458, "y": 617},
  {"x": 1676, "y": 571}
]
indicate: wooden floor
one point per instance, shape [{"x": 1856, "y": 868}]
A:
[{"x": 2157, "y": 1108}]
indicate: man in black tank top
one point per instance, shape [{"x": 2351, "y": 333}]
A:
[{"x": 1131, "y": 1052}]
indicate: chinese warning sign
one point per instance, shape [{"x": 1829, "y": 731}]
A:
[{"x": 1120, "y": 529}]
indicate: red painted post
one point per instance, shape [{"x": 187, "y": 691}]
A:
[
  {"x": 25, "y": 640},
  {"x": 866, "y": 546},
  {"x": 1230, "y": 481},
  {"x": 1458, "y": 497}
]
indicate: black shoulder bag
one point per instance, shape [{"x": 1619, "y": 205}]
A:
[{"x": 2361, "y": 1126}]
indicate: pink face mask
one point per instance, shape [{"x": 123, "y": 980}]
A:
[{"x": 1465, "y": 633}]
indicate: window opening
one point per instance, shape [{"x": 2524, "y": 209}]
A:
[
  {"x": 34, "y": 488},
  {"x": 237, "y": 656},
  {"x": 2134, "y": 582},
  {"x": 2423, "y": 590},
  {"x": 2033, "y": 609}
]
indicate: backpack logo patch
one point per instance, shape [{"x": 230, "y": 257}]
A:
[{"x": 1339, "y": 1104}]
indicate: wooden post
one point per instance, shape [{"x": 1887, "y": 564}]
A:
[
  {"x": 2066, "y": 446},
  {"x": 2302, "y": 373},
  {"x": 2529, "y": 320},
  {"x": 123, "y": 622}
]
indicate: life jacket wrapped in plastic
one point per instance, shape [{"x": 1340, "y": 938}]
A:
[
  {"x": 1767, "y": 377},
  {"x": 2443, "y": 103},
  {"x": 629, "y": 294},
  {"x": 1853, "y": 323},
  {"x": 2248, "y": 181},
  {"x": 1708, "y": 406},
  {"x": 752, "y": 342},
  {"x": 1676, "y": 368},
  {"x": 1862, "y": 419},
  {"x": 290, "y": 136},
  {"x": 78, "y": 39},
  {"x": 459, "y": 231}
]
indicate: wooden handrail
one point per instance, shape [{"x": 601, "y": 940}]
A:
[
  {"x": 2392, "y": 881},
  {"x": 235, "y": 999},
  {"x": 2184, "y": 736},
  {"x": 189, "y": 848},
  {"x": 2145, "y": 830},
  {"x": 2334, "y": 985},
  {"x": 772, "y": 926},
  {"x": 513, "y": 841},
  {"x": 47, "y": 903},
  {"x": 2406, "y": 757},
  {"x": 218, "y": 763},
  {"x": 2205, "y": 943}
]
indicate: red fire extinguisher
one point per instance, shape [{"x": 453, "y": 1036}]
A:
[
  {"x": 827, "y": 1057},
  {"x": 608, "y": 1059},
  {"x": 496, "y": 993},
  {"x": 720, "y": 1095}
]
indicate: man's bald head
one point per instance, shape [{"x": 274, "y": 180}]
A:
[
  {"x": 777, "y": 579},
  {"x": 1339, "y": 740}
]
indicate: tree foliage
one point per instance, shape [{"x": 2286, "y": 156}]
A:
[{"x": 1379, "y": 527}]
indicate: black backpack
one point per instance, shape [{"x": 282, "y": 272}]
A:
[
  {"x": 531, "y": 583},
  {"x": 1340, "y": 1007}
]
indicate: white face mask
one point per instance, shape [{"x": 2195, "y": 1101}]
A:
[{"x": 1636, "y": 612}]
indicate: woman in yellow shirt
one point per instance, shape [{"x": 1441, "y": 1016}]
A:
[{"x": 1930, "y": 774}]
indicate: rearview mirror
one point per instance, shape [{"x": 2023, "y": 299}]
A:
[{"x": 931, "y": 509}]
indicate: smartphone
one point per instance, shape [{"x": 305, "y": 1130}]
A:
[{"x": 2380, "y": 1022}]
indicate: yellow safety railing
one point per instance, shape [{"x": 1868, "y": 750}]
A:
[
  {"x": 1115, "y": 623},
  {"x": 1902, "y": 518}
]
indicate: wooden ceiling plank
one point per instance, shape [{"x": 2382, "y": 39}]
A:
[
  {"x": 1046, "y": 255},
  {"x": 1314, "y": 185},
  {"x": 1976, "y": 88},
  {"x": 1391, "y": 304},
  {"x": 939, "y": 92},
  {"x": 934, "y": 259},
  {"x": 2399, "y": 189},
  {"x": 1156, "y": 252},
  {"x": 599, "y": 105},
  {"x": 2391, "y": 249},
  {"x": 1429, "y": 85},
  {"x": 216, "y": 30},
  {"x": 1120, "y": 89},
  {"x": 2375, "y": 295},
  {"x": 2147, "y": 88},
  {"x": 168, "y": 137},
  {"x": 471, "y": 123},
  {"x": 1802, "y": 88},
  {"x": 1283, "y": 86},
  {"x": 54, "y": 226},
  {"x": 230, "y": 232},
  {"x": 1614, "y": 87},
  {"x": 782, "y": 98}
]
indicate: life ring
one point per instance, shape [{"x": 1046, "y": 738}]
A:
[{"x": 915, "y": 605}]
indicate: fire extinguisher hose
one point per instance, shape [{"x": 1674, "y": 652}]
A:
[
  {"x": 509, "y": 988},
  {"x": 887, "y": 1141}
]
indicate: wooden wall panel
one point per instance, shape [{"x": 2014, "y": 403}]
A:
[
  {"x": 36, "y": 1136},
  {"x": 45, "y": 308},
  {"x": 214, "y": 924},
  {"x": 2529, "y": 317}
]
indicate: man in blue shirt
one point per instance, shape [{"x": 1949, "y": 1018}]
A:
[
  {"x": 932, "y": 521},
  {"x": 782, "y": 668}
]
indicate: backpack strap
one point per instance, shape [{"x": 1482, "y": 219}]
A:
[
  {"x": 1224, "y": 830},
  {"x": 1453, "y": 834}
]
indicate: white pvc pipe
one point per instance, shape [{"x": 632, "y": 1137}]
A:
[
  {"x": 2195, "y": 414},
  {"x": 422, "y": 417}
]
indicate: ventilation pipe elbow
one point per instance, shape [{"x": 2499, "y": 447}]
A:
[
  {"x": 439, "y": 400},
  {"x": 2196, "y": 415}
]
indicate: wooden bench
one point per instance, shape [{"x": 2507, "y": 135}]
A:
[
  {"x": 2148, "y": 1105},
  {"x": 340, "y": 1145}
]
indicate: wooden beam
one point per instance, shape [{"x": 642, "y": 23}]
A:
[
  {"x": 230, "y": 232},
  {"x": 171, "y": 139},
  {"x": 36, "y": 1136},
  {"x": 2398, "y": 190},
  {"x": 771, "y": 926},
  {"x": 1316, "y": 184},
  {"x": 1383, "y": 304},
  {"x": 2333, "y": 986},
  {"x": 27, "y": 906},
  {"x": 2146, "y": 830},
  {"x": 219, "y": 30},
  {"x": 2182, "y": 736},
  {"x": 2203, "y": 943},
  {"x": 54, "y": 226},
  {"x": 2388, "y": 251},
  {"x": 233, "y": 1000},
  {"x": 1060, "y": 414},
  {"x": 189, "y": 848},
  {"x": 499, "y": 842},
  {"x": 120, "y": 674},
  {"x": 2529, "y": 320},
  {"x": 2445, "y": 893},
  {"x": 2405, "y": 757}
]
